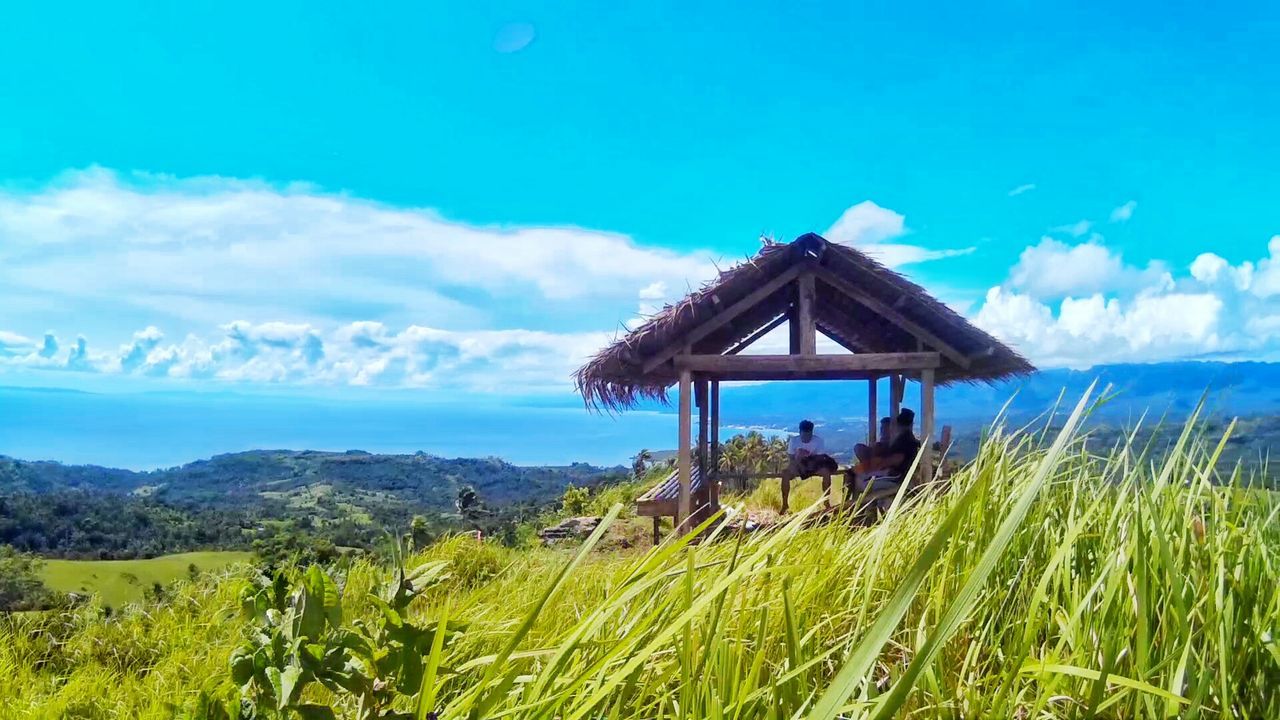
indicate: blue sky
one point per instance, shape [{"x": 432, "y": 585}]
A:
[{"x": 474, "y": 196}]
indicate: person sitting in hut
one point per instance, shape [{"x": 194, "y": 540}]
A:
[
  {"x": 806, "y": 457},
  {"x": 887, "y": 471},
  {"x": 865, "y": 454},
  {"x": 881, "y": 448}
]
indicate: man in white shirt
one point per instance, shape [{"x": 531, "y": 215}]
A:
[{"x": 806, "y": 457}]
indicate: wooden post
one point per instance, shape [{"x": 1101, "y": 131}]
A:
[
  {"x": 872, "y": 407},
  {"x": 793, "y": 328},
  {"x": 704, "y": 406},
  {"x": 805, "y": 296},
  {"x": 714, "y": 477},
  {"x": 684, "y": 461},
  {"x": 897, "y": 385},
  {"x": 657, "y": 530},
  {"x": 926, "y": 424},
  {"x": 702, "y": 402}
]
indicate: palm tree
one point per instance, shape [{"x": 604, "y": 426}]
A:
[
  {"x": 752, "y": 453},
  {"x": 777, "y": 454},
  {"x": 641, "y": 463}
]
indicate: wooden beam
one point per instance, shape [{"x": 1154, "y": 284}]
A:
[
  {"x": 863, "y": 363},
  {"x": 872, "y": 407},
  {"x": 888, "y": 313},
  {"x": 765, "y": 375},
  {"x": 926, "y": 425},
  {"x": 805, "y": 299},
  {"x": 721, "y": 318},
  {"x": 753, "y": 337},
  {"x": 684, "y": 462}
]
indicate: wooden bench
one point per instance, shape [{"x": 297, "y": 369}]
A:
[{"x": 663, "y": 499}]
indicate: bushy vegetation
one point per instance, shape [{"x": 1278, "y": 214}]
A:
[
  {"x": 1053, "y": 576},
  {"x": 21, "y": 587},
  {"x": 288, "y": 507},
  {"x": 89, "y": 525}
]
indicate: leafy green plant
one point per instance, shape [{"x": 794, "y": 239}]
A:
[
  {"x": 575, "y": 500},
  {"x": 300, "y": 638}
]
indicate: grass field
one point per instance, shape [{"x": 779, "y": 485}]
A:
[
  {"x": 1054, "y": 576},
  {"x": 118, "y": 582}
]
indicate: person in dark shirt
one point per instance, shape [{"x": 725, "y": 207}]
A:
[
  {"x": 903, "y": 448},
  {"x": 889, "y": 468}
]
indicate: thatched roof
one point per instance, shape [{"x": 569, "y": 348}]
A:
[{"x": 616, "y": 377}]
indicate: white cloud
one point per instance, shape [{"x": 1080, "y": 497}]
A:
[
  {"x": 1094, "y": 330},
  {"x": 652, "y": 298},
  {"x": 1082, "y": 305},
  {"x": 12, "y": 343},
  {"x": 316, "y": 280},
  {"x": 868, "y": 227},
  {"x": 1054, "y": 269},
  {"x": 204, "y": 250},
  {"x": 1022, "y": 189},
  {"x": 1210, "y": 268},
  {"x": 358, "y": 354},
  {"x": 1124, "y": 212},
  {"x": 1264, "y": 282},
  {"x": 1076, "y": 229},
  {"x": 866, "y": 224}
]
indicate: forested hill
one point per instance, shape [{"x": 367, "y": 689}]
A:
[
  {"x": 426, "y": 480},
  {"x": 274, "y": 501}
]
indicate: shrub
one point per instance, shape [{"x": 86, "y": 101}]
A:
[
  {"x": 575, "y": 500},
  {"x": 20, "y": 585}
]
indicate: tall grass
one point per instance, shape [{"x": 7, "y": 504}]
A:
[{"x": 1049, "y": 578}]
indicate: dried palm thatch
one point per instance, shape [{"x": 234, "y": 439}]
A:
[{"x": 616, "y": 379}]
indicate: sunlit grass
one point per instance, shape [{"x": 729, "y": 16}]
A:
[
  {"x": 117, "y": 582},
  {"x": 1052, "y": 578}
]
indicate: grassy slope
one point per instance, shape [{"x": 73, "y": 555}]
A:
[
  {"x": 1167, "y": 581},
  {"x": 118, "y": 582}
]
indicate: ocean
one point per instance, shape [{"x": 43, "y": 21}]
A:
[{"x": 143, "y": 431}]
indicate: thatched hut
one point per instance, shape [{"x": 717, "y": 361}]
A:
[{"x": 890, "y": 326}]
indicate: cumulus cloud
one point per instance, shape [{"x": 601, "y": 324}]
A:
[
  {"x": 1124, "y": 212},
  {"x": 204, "y": 250},
  {"x": 358, "y": 354},
  {"x": 870, "y": 228},
  {"x": 1055, "y": 269},
  {"x": 1081, "y": 305},
  {"x": 153, "y": 268}
]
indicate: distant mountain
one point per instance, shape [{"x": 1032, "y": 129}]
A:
[
  {"x": 422, "y": 481},
  {"x": 1244, "y": 388}
]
